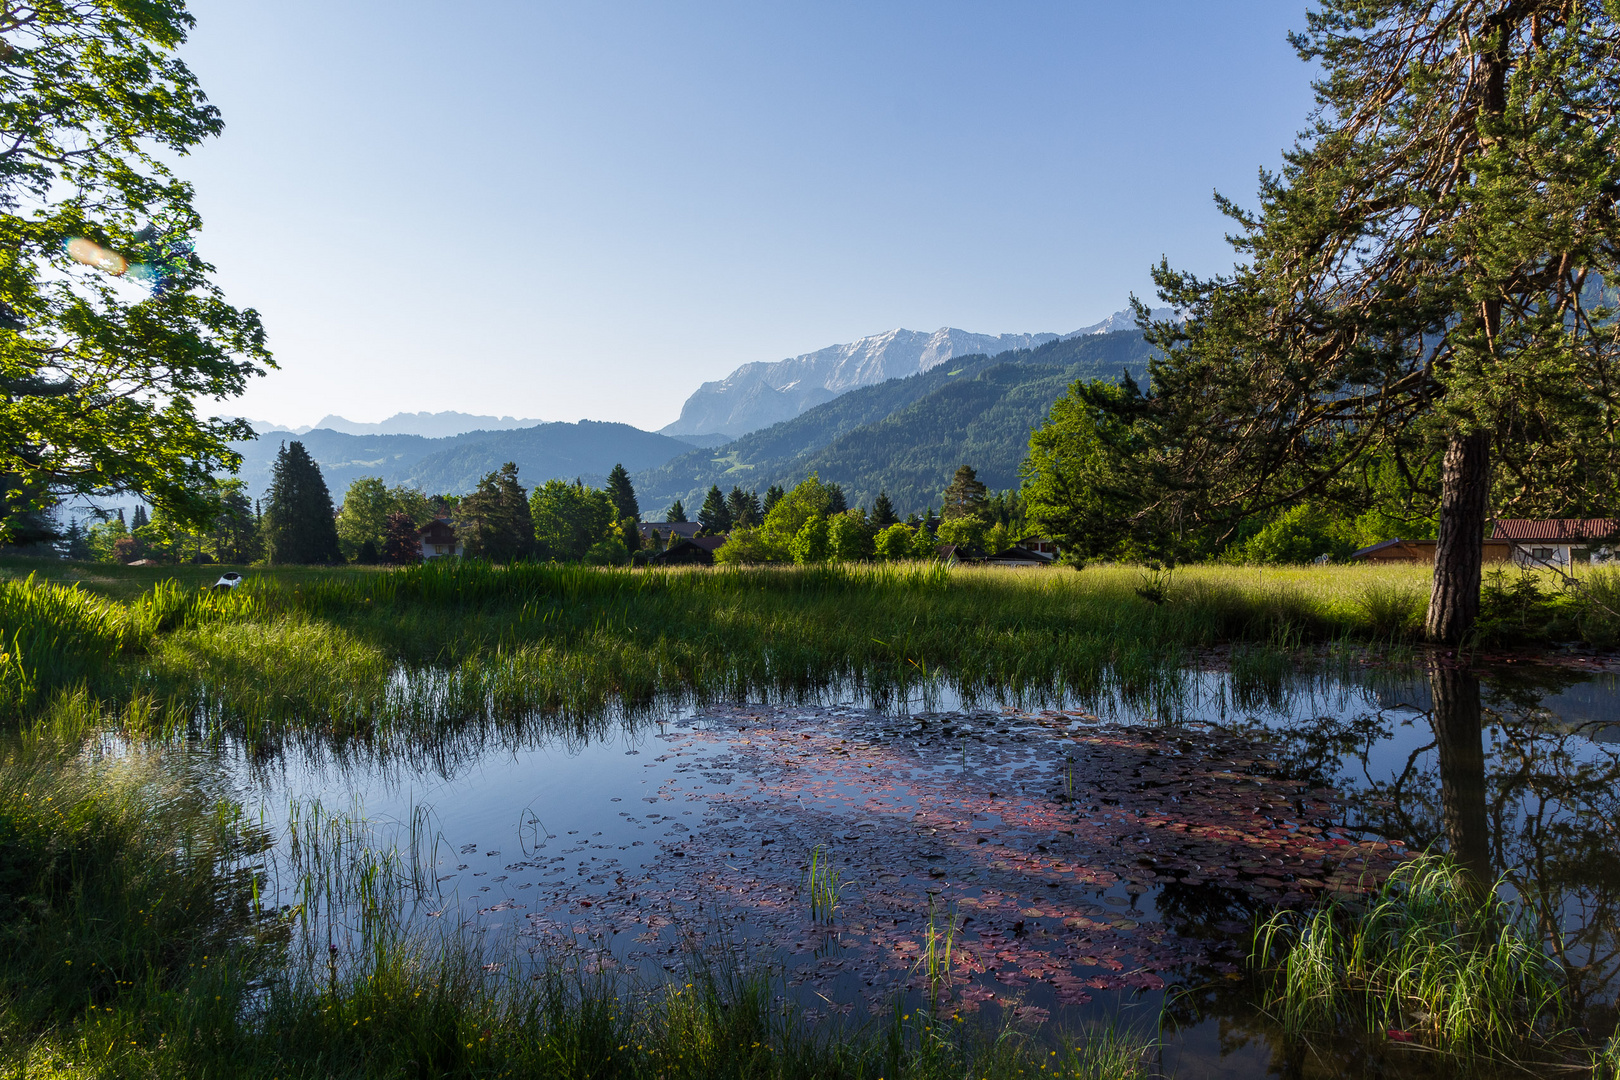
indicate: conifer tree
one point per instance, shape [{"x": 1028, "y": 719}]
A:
[
  {"x": 496, "y": 520},
  {"x": 140, "y": 520},
  {"x": 676, "y": 512},
  {"x": 839, "y": 503},
  {"x": 883, "y": 515},
  {"x": 714, "y": 517},
  {"x": 1420, "y": 283},
  {"x": 773, "y": 495},
  {"x": 966, "y": 496},
  {"x": 744, "y": 509},
  {"x": 300, "y": 526},
  {"x": 623, "y": 494}
]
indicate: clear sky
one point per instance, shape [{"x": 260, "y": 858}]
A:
[{"x": 583, "y": 210}]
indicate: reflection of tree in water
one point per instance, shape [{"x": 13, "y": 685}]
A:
[{"x": 1539, "y": 802}]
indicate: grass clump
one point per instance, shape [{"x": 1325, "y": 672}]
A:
[{"x": 1432, "y": 954}]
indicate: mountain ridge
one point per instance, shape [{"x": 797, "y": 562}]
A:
[{"x": 765, "y": 392}]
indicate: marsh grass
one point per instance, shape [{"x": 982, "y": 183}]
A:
[
  {"x": 1431, "y": 953},
  {"x": 368, "y": 660}
]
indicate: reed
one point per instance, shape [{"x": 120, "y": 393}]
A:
[
  {"x": 825, "y": 885},
  {"x": 1431, "y": 953}
]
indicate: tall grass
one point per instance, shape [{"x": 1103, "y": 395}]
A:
[{"x": 1431, "y": 953}]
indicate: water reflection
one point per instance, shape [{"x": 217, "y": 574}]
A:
[{"x": 1515, "y": 772}]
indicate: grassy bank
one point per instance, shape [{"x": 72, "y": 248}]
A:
[{"x": 366, "y": 654}]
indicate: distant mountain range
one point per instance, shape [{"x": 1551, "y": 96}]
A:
[
  {"x": 436, "y": 425},
  {"x": 896, "y": 412},
  {"x": 762, "y": 393},
  {"x": 454, "y": 465},
  {"x": 907, "y": 436}
]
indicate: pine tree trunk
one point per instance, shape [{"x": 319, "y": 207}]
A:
[
  {"x": 1464, "y": 498},
  {"x": 1459, "y": 736}
]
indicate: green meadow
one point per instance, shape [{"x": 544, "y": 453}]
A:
[{"x": 136, "y": 939}]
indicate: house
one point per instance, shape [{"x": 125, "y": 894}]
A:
[
  {"x": 438, "y": 540},
  {"x": 683, "y": 529},
  {"x": 1422, "y": 551},
  {"x": 1558, "y": 542},
  {"x": 697, "y": 551},
  {"x": 1040, "y": 545},
  {"x": 1018, "y": 555}
]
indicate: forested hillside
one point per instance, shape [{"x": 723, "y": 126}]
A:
[{"x": 907, "y": 436}]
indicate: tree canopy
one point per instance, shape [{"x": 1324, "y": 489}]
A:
[
  {"x": 110, "y": 328},
  {"x": 1419, "y": 286}
]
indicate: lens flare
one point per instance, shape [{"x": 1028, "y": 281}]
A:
[{"x": 93, "y": 254}]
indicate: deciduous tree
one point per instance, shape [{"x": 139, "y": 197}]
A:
[{"x": 110, "y": 327}]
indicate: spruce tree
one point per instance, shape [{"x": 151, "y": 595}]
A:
[
  {"x": 744, "y": 508},
  {"x": 496, "y": 520},
  {"x": 839, "y": 503},
  {"x": 966, "y": 496},
  {"x": 299, "y": 524},
  {"x": 714, "y": 517},
  {"x": 773, "y": 495},
  {"x": 676, "y": 512},
  {"x": 623, "y": 494},
  {"x": 140, "y": 520},
  {"x": 883, "y": 512}
]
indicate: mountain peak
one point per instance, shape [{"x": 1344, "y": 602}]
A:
[{"x": 762, "y": 393}]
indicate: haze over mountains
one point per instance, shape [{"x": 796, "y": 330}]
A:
[{"x": 897, "y": 411}]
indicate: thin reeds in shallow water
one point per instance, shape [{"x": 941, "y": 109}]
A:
[
  {"x": 1433, "y": 954},
  {"x": 825, "y": 885}
]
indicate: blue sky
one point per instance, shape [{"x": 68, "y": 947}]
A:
[{"x": 571, "y": 211}]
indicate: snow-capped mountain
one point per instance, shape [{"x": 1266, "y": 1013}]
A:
[{"x": 766, "y": 392}]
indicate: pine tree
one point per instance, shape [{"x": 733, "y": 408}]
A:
[
  {"x": 623, "y": 494},
  {"x": 966, "y": 496},
  {"x": 299, "y": 524},
  {"x": 236, "y": 533},
  {"x": 676, "y": 512},
  {"x": 123, "y": 526},
  {"x": 76, "y": 543},
  {"x": 495, "y": 518},
  {"x": 140, "y": 520},
  {"x": 743, "y": 506},
  {"x": 1418, "y": 283},
  {"x": 883, "y": 515},
  {"x": 714, "y": 517},
  {"x": 773, "y": 495}
]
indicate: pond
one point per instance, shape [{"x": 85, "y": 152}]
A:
[{"x": 1057, "y": 867}]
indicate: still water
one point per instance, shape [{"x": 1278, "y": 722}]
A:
[{"x": 1083, "y": 862}]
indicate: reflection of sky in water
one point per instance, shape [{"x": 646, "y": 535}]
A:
[{"x": 510, "y": 818}]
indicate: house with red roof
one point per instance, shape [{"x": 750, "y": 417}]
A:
[{"x": 1559, "y": 542}]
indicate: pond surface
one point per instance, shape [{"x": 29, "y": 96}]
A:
[{"x": 1098, "y": 862}]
